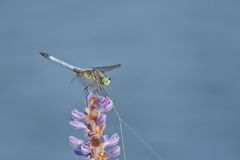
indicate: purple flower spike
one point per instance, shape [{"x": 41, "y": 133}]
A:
[
  {"x": 101, "y": 119},
  {"x": 82, "y": 150},
  {"x": 77, "y": 125},
  {"x": 93, "y": 123},
  {"x": 74, "y": 141},
  {"x": 114, "y": 152},
  {"x": 112, "y": 141},
  {"x": 77, "y": 115}
]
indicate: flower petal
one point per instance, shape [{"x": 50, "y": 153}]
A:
[
  {"x": 77, "y": 125},
  {"x": 105, "y": 104},
  {"x": 103, "y": 138},
  {"x": 89, "y": 96},
  {"x": 78, "y": 152},
  {"x": 74, "y": 141},
  {"x": 77, "y": 115},
  {"x": 101, "y": 119},
  {"x": 101, "y": 100},
  {"x": 113, "y": 152},
  {"x": 109, "y": 105},
  {"x": 82, "y": 149},
  {"x": 85, "y": 148},
  {"x": 113, "y": 140}
]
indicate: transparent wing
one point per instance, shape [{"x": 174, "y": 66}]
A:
[{"x": 107, "y": 68}]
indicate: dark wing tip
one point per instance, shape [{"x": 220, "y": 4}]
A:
[
  {"x": 107, "y": 68},
  {"x": 116, "y": 66},
  {"x": 44, "y": 54}
]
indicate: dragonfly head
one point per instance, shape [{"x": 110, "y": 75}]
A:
[{"x": 106, "y": 80}]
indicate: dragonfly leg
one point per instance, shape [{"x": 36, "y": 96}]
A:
[
  {"x": 103, "y": 91},
  {"x": 95, "y": 91},
  {"x": 99, "y": 92},
  {"x": 86, "y": 93},
  {"x": 73, "y": 79}
]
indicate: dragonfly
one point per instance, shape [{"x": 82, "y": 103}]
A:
[{"x": 94, "y": 78}]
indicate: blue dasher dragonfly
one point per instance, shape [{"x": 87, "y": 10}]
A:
[{"x": 93, "y": 79}]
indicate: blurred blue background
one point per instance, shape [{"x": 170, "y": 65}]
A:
[{"x": 179, "y": 84}]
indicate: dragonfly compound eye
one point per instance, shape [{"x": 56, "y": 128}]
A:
[{"x": 105, "y": 81}]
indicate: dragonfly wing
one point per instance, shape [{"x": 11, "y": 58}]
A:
[{"x": 108, "y": 68}]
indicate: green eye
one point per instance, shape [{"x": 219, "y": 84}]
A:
[{"x": 105, "y": 81}]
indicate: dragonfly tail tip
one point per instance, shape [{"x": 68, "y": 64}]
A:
[{"x": 44, "y": 54}]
